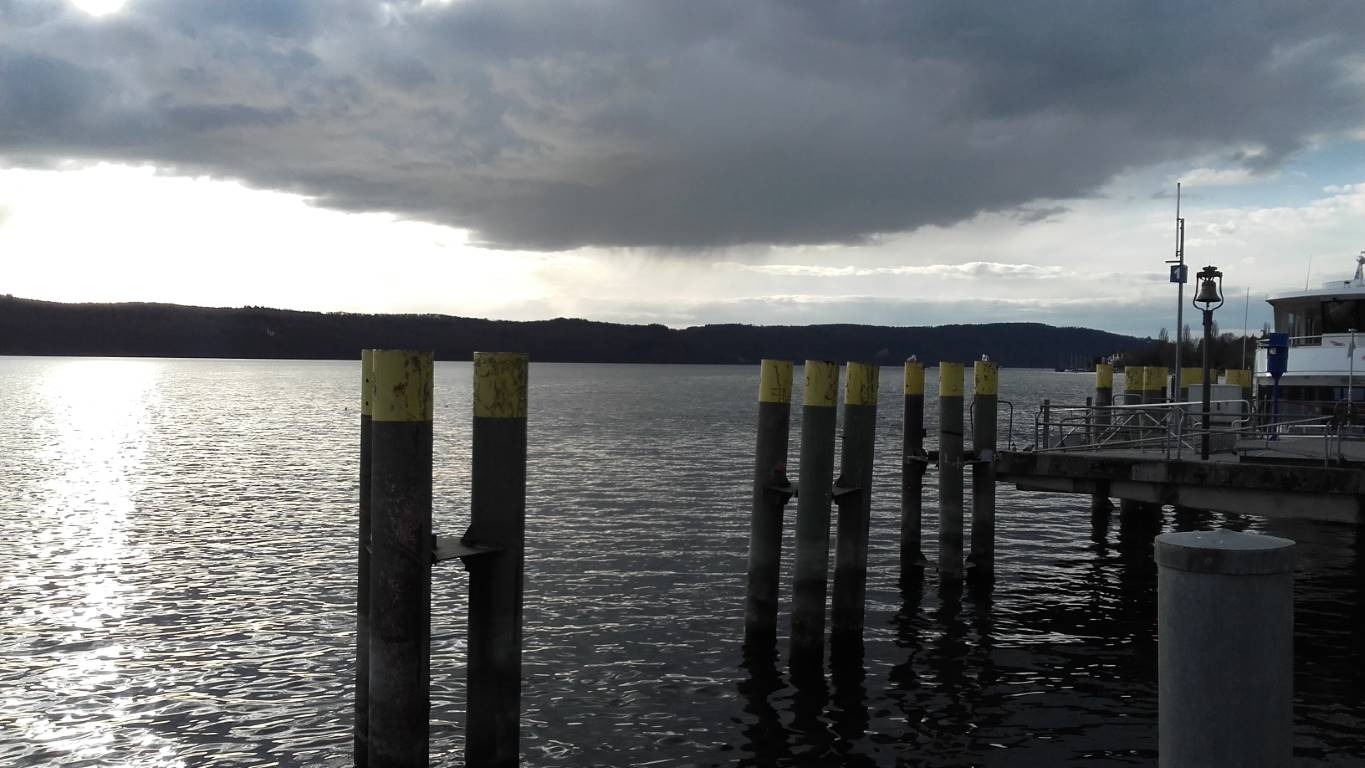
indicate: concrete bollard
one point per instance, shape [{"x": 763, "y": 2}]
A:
[
  {"x": 772, "y": 490},
  {"x": 360, "y": 751},
  {"x": 1225, "y": 624},
  {"x": 853, "y": 494},
  {"x": 950, "y": 470},
  {"x": 809, "y": 583},
  {"x": 497, "y": 521},
  {"x": 986, "y": 377},
  {"x": 400, "y": 558},
  {"x": 914, "y": 461}
]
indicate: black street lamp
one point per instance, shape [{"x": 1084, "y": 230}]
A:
[{"x": 1210, "y": 295}]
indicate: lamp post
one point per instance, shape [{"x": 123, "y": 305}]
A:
[{"x": 1210, "y": 295}]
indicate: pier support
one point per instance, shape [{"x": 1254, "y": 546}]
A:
[
  {"x": 1104, "y": 397},
  {"x": 950, "y": 470},
  {"x": 1225, "y": 624},
  {"x": 986, "y": 377},
  {"x": 360, "y": 752},
  {"x": 497, "y": 521},
  {"x": 1240, "y": 377},
  {"x": 914, "y": 461},
  {"x": 853, "y": 495},
  {"x": 1154, "y": 380},
  {"x": 772, "y": 490},
  {"x": 809, "y": 587},
  {"x": 400, "y": 559},
  {"x": 1189, "y": 377}
]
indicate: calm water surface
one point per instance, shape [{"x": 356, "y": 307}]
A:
[{"x": 178, "y": 588}]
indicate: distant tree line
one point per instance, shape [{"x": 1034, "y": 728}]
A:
[
  {"x": 29, "y": 327},
  {"x": 1226, "y": 350}
]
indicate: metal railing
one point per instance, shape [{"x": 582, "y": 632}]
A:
[{"x": 1172, "y": 429}]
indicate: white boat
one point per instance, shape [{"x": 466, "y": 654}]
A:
[{"x": 1325, "y": 365}]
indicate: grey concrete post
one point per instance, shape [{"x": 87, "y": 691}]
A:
[
  {"x": 771, "y": 493},
  {"x": 914, "y": 462},
  {"x": 1225, "y": 624},
  {"x": 986, "y": 376},
  {"x": 815, "y": 476},
  {"x": 950, "y": 470},
  {"x": 855, "y": 500}
]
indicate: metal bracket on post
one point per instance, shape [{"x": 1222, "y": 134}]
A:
[
  {"x": 450, "y": 547},
  {"x": 918, "y": 463}
]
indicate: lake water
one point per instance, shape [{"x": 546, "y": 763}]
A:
[{"x": 178, "y": 586}]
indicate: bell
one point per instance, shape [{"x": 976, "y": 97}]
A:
[{"x": 1208, "y": 292}]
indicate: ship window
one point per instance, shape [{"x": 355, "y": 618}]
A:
[{"x": 1341, "y": 316}]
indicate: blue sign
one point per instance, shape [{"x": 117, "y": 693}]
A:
[{"x": 1180, "y": 273}]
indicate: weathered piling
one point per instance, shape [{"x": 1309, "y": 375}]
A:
[
  {"x": 497, "y": 512},
  {"x": 1225, "y": 627},
  {"x": 1046, "y": 439},
  {"x": 1133, "y": 383},
  {"x": 772, "y": 490},
  {"x": 914, "y": 461},
  {"x": 1240, "y": 377},
  {"x": 950, "y": 470},
  {"x": 360, "y": 752},
  {"x": 400, "y": 558},
  {"x": 985, "y": 377},
  {"x": 853, "y": 495},
  {"x": 1189, "y": 377},
  {"x": 818, "y": 417},
  {"x": 1104, "y": 397},
  {"x": 1155, "y": 379}
]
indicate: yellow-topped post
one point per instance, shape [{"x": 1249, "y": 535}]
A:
[
  {"x": 771, "y": 492},
  {"x": 1104, "y": 399},
  {"x": 914, "y": 461},
  {"x": 497, "y": 521},
  {"x": 985, "y": 398},
  {"x": 950, "y": 385},
  {"x": 1134, "y": 377},
  {"x": 400, "y": 557},
  {"x": 360, "y": 748},
  {"x": 853, "y": 494},
  {"x": 810, "y": 580},
  {"x": 1240, "y": 377},
  {"x": 1190, "y": 377},
  {"x": 1155, "y": 381}
]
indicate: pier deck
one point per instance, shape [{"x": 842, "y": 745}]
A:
[{"x": 1273, "y": 482}]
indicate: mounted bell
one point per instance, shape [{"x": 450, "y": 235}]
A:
[{"x": 1208, "y": 291}]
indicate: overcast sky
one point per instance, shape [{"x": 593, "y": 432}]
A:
[{"x": 899, "y": 162}]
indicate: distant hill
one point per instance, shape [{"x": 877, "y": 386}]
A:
[{"x": 29, "y": 327}]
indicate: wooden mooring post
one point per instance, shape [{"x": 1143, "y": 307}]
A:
[
  {"x": 361, "y": 746},
  {"x": 400, "y": 559},
  {"x": 853, "y": 495},
  {"x": 914, "y": 462},
  {"x": 986, "y": 378},
  {"x": 772, "y": 490},
  {"x": 815, "y": 476},
  {"x": 1104, "y": 398},
  {"x": 497, "y": 525},
  {"x": 950, "y": 470}
]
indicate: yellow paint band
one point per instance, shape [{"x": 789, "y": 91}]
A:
[
  {"x": 775, "y": 381},
  {"x": 500, "y": 385},
  {"x": 861, "y": 387},
  {"x": 949, "y": 379},
  {"x": 985, "y": 378},
  {"x": 822, "y": 383},
  {"x": 914, "y": 378},
  {"x": 1104, "y": 376},
  {"x": 1238, "y": 376},
  {"x": 366, "y": 382},
  {"x": 1155, "y": 378},
  {"x": 1133, "y": 376},
  {"x": 1190, "y": 377},
  {"x": 402, "y": 385}
]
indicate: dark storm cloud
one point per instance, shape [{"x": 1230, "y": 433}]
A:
[{"x": 551, "y": 125}]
